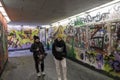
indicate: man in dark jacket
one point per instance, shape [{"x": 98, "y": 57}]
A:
[
  {"x": 38, "y": 53},
  {"x": 59, "y": 52}
]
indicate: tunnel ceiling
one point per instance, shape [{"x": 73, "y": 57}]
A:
[{"x": 46, "y": 11}]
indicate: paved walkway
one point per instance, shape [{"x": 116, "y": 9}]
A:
[{"x": 22, "y": 68}]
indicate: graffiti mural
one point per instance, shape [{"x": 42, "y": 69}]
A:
[
  {"x": 97, "y": 45},
  {"x": 21, "y": 38},
  {"x": 70, "y": 31},
  {"x": 42, "y": 35},
  {"x": 114, "y": 58},
  {"x": 95, "y": 39}
]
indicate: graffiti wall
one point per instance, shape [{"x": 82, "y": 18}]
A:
[
  {"x": 42, "y": 35},
  {"x": 103, "y": 14},
  {"x": 94, "y": 38},
  {"x": 97, "y": 45},
  {"x": 21, "y": 37},
  {"x": 49, "y": 40},
  {"x": 3, "y": 42}
]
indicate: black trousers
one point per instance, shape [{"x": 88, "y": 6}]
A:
[{"x": 36, "y": 59}]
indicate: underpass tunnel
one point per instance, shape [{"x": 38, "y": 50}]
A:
[{"x": 89, "y": 29}]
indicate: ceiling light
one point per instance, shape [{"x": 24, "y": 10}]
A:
[
  {"x": 2, "y": 10},
  {"x": 4, "y": 14},
  {"x": 8, "y": 20},
  {"x": 105, "y": 5},
  {"x": 0, "y": 4},
  {"x": 45, "y": 26},
  {"x": 116, "y": 0}
]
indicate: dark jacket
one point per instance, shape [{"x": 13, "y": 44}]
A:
[
  {"x": 34, "y": 47},
  {"x": 59, "y": 55}
]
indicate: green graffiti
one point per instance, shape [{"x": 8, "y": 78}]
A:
[
  {"x": 79, "y": 22},
  {"x": 71, "y": 49}
]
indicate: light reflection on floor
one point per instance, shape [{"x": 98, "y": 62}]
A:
[{"x": 19, "y": 53}]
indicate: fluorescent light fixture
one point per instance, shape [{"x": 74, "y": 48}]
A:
[
  {"x": 0, "y": 4},
  {"x": 4, "y": 14},
  {"x": 84, "y": 13},
  {"x": 63, "y": 22},
  {"x": 45, "y": 26},
  {"x": 2, "y": 10},
  {"x": 8, "y": 20},
  {"x": 55, "y": 24},
  {"x": 116, "y": 0},
  {"x": 105, "y": 5}
]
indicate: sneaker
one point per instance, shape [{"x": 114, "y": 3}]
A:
[
  {"x": 43, "y": 73},
  {"x": 38, "y": 74},
  {"x": 59, "y": 79}
]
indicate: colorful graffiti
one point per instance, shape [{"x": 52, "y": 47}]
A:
[
  {"x": 95, "y": 39},
  {"x": 21, "y": 39},
  {"x": 107, "y": 13},
  {"x": 97, "y": 45}
]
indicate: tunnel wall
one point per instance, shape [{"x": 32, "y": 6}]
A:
[
  {"x": 3, "y": 43},
  {"x": 94, "y": 38}
]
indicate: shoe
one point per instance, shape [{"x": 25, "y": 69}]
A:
[
  {"x": 59, "y": 79},
  {"x": 43, "y": 73},
  {"x": 38, "y": 74}
]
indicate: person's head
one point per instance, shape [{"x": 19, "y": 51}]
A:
[
  {"x": 36, "y": 39},
  {"x": 59, "y": 37}
]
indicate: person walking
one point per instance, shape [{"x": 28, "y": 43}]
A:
[
  {"x": 38, "y": 54},
  {"x": 59, "y": 52}
]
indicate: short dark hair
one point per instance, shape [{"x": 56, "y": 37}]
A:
[{"x": 35, "y": 37}]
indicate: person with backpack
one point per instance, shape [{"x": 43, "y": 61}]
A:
[
  {"x": 38, "y": 54},
  {"x": 59, "y": 52}
]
